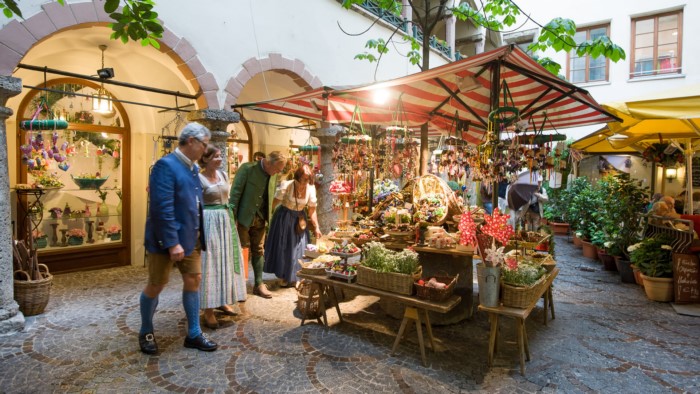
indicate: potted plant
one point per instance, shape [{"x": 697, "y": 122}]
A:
[
  {"x": 653, "y": 258},
  {"x": 554, "y": 211},
  {"x": 520, "y": 282},
  {"x": 76, "y": 236},
  {"x": 41, "y": 240},
  {"x": 114, "y": 232}
]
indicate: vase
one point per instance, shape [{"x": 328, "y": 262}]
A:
[
  {"x": 115, "y": 237},
  {"x": 489, "y": 279},
  {"x": 607, "y": 260},
  {"x": 658, "y": 289},
  {"x": 589, "y": 250},
  {"x": 41, "y": 242},
  {"x": 625, "y": 269},
  {"x": 75, "y": 241},
  {"x": 102, "y": 209},
  {"x": 119, "y": 208},
  {"x": 637, "y": 275}
]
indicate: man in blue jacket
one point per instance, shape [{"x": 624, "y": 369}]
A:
[{"x": 173, "y": 235}]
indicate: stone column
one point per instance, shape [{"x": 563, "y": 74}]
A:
[
  {"x": 11, "y": 319},
  {"x": 327, "y": 217},
  {"x": 480, "y": 45},
  {"x": 450, "y": 22},
  {"x": 407, "y": 14},
  {"x": 216, "y": 120}
]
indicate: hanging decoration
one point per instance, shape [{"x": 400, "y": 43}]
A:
[
  {"x": 497, "y": 226},
  {"x": 664, "y": 154},
  {"x": 467, "y": 229}
]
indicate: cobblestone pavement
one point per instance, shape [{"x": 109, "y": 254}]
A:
[{"x": 607, "y": 337}]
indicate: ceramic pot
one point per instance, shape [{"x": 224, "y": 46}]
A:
[
  {"x": 658, "y": 289},
  {"x": 578, "y": 242},
  {"x": 115, "y": 237},
  {"x": 41, "y": 242},
  {"x": 74, "y": 241}
]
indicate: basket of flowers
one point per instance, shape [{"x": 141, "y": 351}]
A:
[
  {"x": 430, "y": 200},
  {"x": 114, "y": 232},
  {"x": 388, "y": 270},
  {"x": 521, "y": 283},
  {"x": 664, "y": 154},
  {"x": 76, "y": 236}
]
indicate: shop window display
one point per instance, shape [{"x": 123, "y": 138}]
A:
[{"x": 71, "y": 179}]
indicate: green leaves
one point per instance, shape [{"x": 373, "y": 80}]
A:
[
  {"x": 9, "y": 8},
  {"x": 137, "y": 21}
]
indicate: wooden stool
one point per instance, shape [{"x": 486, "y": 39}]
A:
[
  {"x": 548, "y": 303},
  {"x": 411, "y": 313}
]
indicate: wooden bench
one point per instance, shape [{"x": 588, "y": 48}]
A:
[
  {"x": 416, "y": 309},
  {"x": 520, "y": 315}
]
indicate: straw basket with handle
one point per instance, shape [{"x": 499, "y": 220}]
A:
[{"x": 32, "y": 281}]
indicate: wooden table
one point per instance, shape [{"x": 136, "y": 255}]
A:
[
  {"x": 520, "y": 315},
  {"x": 453, "y": 262},
  {"x": 416, "y": 309}
]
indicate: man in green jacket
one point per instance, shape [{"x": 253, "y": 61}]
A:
[{"x": 251, "y": 197}]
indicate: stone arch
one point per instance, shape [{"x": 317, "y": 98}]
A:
[
  {"x": 294, "y": 68},
  {"x": 19, "y": 37}
]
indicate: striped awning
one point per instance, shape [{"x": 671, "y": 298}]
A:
[{"x": 441, "y": 96}]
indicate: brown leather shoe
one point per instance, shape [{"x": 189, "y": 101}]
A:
[{"x": 262, "y": 291}]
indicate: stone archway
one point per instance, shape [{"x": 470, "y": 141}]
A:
[
  {"x": 19, "y": 37},
  {"x": 294, "y": 68}
]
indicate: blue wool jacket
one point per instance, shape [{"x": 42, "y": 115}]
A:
[{"x": 175, "y": 208}]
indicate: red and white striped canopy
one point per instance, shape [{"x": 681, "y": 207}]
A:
[{"x": 434, "y": 97}]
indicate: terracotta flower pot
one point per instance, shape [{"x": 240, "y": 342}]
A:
[
  {"x": 578, "y": 242},
  {"x": 559, "y": 228},
  {"x": 590, "y": 251},
  {"x": 658, "y": 289},
  {"x": 607, "y": 260},
  {"x": 637, "y": 275}
]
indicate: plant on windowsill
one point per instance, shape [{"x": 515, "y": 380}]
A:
[
  {"x": 41, "y": 240},
  {"x": 114, "y": 232},
  {"x": 76, "y": 236}
]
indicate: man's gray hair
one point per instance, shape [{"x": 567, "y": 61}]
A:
[
  {"x": 275, "y": 157},
  {"x": 194, "y": 130}
]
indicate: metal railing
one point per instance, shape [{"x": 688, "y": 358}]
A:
[{"x": 397, "y": 21}]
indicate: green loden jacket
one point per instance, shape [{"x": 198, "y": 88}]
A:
[{"x": 246, "y": 192}]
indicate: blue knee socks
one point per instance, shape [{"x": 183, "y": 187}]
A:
[
  {"x": 148, "y": 309},
  {"x": 190, "y": 300}
]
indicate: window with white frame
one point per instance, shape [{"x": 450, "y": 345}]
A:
[
  {"x": 656, "y": 44},
  {"x": 581, "y": 69}
]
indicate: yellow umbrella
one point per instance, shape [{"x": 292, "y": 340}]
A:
[{"x": 661, "y": 116}]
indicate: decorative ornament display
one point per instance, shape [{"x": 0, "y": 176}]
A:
[
  {"x": 467, "y": 229},
  {"x": 664, "y": 154},
  {"x": 497, "y": 226}
]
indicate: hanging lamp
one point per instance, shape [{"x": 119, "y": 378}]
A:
[{"x": 102, "y": 100}]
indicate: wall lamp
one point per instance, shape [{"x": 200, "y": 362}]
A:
[{"x": 671, "y": 174}]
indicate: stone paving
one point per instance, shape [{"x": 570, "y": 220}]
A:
[{"x": 607, "y": 337}]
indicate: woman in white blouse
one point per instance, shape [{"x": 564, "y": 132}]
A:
[{"x": 284, "y": 245}]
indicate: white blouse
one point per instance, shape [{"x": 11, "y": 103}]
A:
[{"x": 285, "y": 192}]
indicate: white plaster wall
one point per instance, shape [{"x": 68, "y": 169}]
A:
[{"x": 619, "y": 14}]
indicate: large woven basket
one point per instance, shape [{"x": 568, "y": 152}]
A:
[
  {"x": 308, "y": 299},
  {"x": 32, "y": 296},
  {"x": 522, "y": 297},
  {"x": 389, "y": 281},
  {"x": 434, "y": 294}
]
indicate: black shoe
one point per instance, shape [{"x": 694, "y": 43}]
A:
[
  {"x": 201, "y": 342},
  {"x": 148, "y": 344}
]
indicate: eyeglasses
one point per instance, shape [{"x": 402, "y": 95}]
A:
[{"x": 203, "y": 143}]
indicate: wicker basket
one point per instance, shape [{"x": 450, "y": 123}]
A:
[
  {"x": 522, "y": 297},
  {"x": 389, "y": 281},
  {"x": 431, "y": 185},
  {"x": 434, "y": 294},
  {"x": 308, "y": 299},
  {"x": 32, "y": 296},
  {"x": 311, "y": 271}
]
